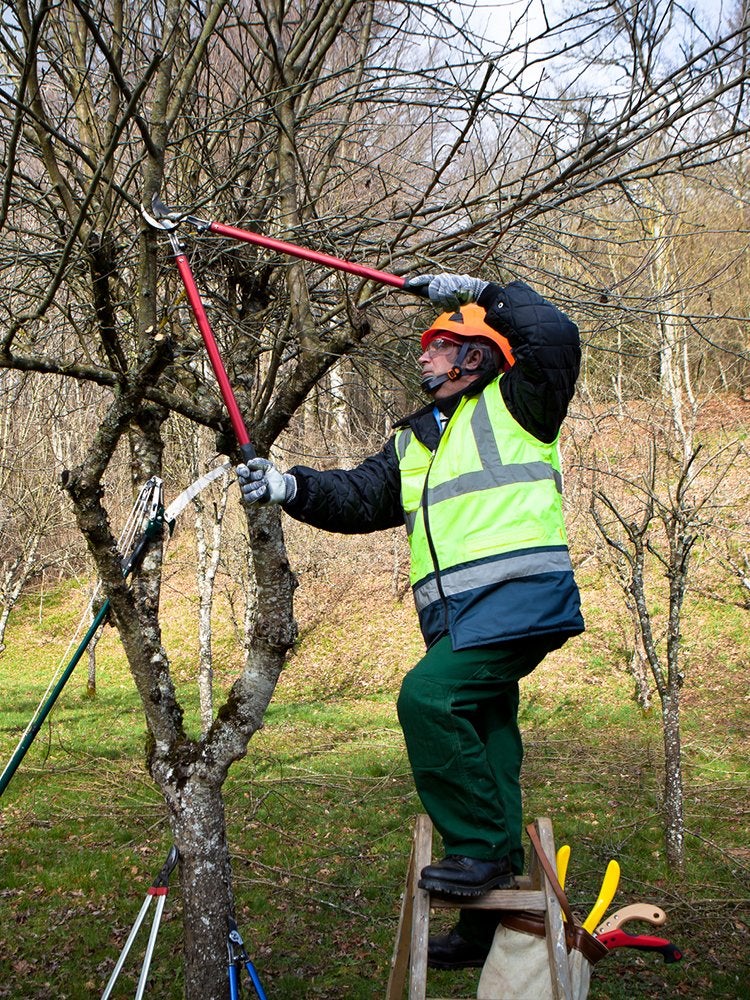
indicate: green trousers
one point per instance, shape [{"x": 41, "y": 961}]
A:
[{"x": 459, "y": 714}]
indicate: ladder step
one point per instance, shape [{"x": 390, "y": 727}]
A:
[
  {"x": 409, "y": 962},
  {"x": 497, "y": 899}
]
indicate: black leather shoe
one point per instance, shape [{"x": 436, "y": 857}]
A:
[
  {"x": 456, "y": 876},
  {"x": 450, "y": 951}
]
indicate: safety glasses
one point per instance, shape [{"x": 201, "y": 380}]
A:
[{"x": 440, "y": 345}]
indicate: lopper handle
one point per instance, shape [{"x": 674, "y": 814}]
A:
[
  {"x": 303, "y": 253},
  {"x": 420, "y": 290},
  {"x": 214, "y": 356}
]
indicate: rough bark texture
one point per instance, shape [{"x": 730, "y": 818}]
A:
[
  {"x": 193, "y": 795},
  {"x": 674, "y": 821}
]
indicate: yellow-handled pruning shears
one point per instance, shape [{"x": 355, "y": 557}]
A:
[
  {"x": 606, "y": 895},
  {"x": 562, "y": 859}
]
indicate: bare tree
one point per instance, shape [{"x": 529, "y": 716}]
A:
[
  {"x": 651, "y": 510},
  {"x": 36, "y": 529}
]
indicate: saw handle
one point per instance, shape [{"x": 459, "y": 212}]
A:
[
  {"x": 642, "y": 942},
  {"x": 653, "y": 915}
]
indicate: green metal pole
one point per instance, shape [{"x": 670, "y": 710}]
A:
[
  {"x": 151, "y": 530},
  {"x": 38, "y": 721}
]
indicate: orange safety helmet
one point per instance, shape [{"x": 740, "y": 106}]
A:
[{"x": 469, "y": 322}]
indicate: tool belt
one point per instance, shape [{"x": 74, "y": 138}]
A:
[{"x": 575, "y": 937}]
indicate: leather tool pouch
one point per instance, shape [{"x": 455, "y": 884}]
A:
[{"x": 518, "y": 965}]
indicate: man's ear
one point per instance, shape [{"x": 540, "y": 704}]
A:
[{"x": 473, "y": 359}]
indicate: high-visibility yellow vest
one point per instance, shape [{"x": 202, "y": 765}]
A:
[{"x": 489, "y": 550}]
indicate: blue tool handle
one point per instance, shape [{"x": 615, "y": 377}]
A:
[
  {"x": 255, "y": 980},
  {"x": 234, "y": 982}
]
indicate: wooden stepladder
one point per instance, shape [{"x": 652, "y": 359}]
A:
[{"x": 534, "y": 892}]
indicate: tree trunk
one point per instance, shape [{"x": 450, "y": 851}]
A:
[
  {"x": 208, "y": 531},
  {"x": 96, "y": 605},
  {"x": 4, "y": 616},
  {"x": 340, "y": 412},
  {"x": 199, "y": 830},
  {"x": 674, "y": 819},
  {"x": 190, "y": 774},
  {"x": 15, "y": 578},
  {"x": 639, "y": 670},
  {"x": 91, "y": 676}
]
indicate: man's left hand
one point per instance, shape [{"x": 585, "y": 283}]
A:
[{"x": 261, "y": 482}]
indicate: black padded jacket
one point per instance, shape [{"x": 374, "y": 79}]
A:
[{"x": 537, "y": 391}]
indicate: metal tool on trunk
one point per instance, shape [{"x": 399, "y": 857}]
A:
[
  {"x": 159, "y": 891},
  {"x": 148, "y": 507},
  {"x": 238, "y": 956}
]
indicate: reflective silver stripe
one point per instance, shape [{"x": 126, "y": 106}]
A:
[
  {"x": 493, "y": 473},
  {"x": 489, "y": 478},
  {"x": 484, "y": 574},
  {"x": 403, "y": 440},
  {"x": 484, "y": 435}
]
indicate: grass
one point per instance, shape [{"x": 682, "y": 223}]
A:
[{"x": 320, "y": 812}]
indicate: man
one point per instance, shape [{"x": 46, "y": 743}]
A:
[{"x": 475, "y": 477}]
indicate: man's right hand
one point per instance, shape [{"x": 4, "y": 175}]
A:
[{"x": 261, "y": 482}]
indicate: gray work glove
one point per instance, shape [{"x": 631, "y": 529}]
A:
[
  {"x": 450, "y": 291},
  {"x": 261, "y": 482}
]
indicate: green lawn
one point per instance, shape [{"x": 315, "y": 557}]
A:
[{"x": 320, "y": 817}]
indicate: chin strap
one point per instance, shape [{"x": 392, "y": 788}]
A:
[{"x": 432, "y": 382}]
